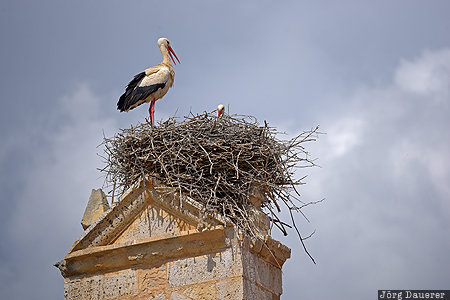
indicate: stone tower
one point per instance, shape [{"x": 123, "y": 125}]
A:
[{"x": 153, "y": 244}]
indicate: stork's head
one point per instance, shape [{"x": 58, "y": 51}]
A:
[
  {"x": 163, "y": 42},
  {"x": 220, "y": 110}
]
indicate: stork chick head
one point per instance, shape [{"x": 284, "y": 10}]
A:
[
  {"x": 163, "y": 42},
  {"x": 220, "y": 110}
]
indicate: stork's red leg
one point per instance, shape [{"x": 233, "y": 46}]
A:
[
  {"x": 150, "y": 114},
  {"x": 151, "y": 110}
]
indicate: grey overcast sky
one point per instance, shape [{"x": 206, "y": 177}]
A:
[{"x": 375, "y": 75}]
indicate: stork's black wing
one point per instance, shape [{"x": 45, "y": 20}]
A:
[{"x": 135, "y": 93}]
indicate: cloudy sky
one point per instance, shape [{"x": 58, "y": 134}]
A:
[{"x": 375, "y": 75}]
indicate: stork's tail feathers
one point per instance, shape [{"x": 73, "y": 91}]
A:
[{"x": 124, "y": 101}]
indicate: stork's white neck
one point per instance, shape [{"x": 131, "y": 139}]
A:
[{"x": 165, "y": 55}]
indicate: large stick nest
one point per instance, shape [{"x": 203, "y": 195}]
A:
[{"x": 220, "y": 163}]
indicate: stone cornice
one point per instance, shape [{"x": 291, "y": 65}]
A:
[
  {"x": 150, "y": 251},
  {"x": 271, "y": 250}
]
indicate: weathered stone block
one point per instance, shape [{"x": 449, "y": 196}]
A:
[
  {"x": 152, "y": 279},
  {"x": 262, "y": 273},
  {"x": 159, "y": 296},
  {"x": 97, "y": 205},
  {"x": 191, "y": 270},
  {"x": 110, "y": 285},
  {"x": 228, "y": 264},
  {"x": 231, "y": 289},
  {"x": 176, "y": 296},
  {"x": 215, "y": 266},
  {"x": 253, "y": 291},
  {"x": 201, "y": 291}
]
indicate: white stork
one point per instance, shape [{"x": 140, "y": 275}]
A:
[
  {"x": 220, "y": 110},
  {"x": 152, "y": 84}
]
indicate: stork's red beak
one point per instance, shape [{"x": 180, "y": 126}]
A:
[{"x": 172, "y": 52}]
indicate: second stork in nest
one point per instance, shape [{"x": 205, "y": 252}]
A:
[{"x": 152, "y": 84}]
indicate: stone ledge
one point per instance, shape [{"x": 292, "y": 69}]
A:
[
  {"x": 272, "y": 251},
  {"x": 154, "y": 250}
]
